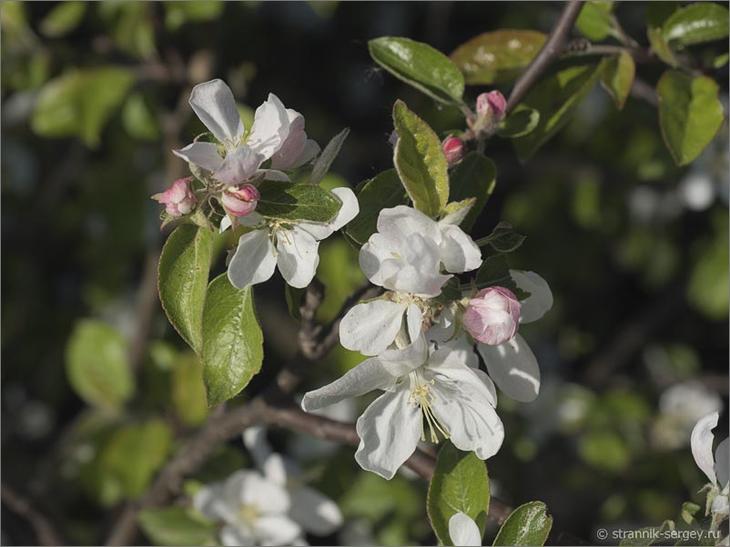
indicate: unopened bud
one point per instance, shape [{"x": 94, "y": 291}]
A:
[
  {"x": 492, "y": 316},
  {"x": 178, "y": 199},
  {"x": 239, "y": 201},
  {"x": 453, "y": 148},
  {"x": 492, "y": 106}
]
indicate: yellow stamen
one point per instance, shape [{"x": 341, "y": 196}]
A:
[
  {"x": 249, "y": 513},
  {"x": 422, "y": 396}
]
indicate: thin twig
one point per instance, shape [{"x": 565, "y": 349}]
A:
[
  {"x": 550, "y": 51},
  {"x": 45, "y": 532}
]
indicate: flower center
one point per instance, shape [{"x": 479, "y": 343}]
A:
[
  {"x": 249, "y": 513},
  {"x": 422, "y": 395}
]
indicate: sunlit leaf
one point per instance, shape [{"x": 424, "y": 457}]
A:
[
  {"x": 529, "y": 524},
  {"x": 595, "y": 20},
  {"x": 63, "y": 18},
  {"x": 618, "y": 77},
  {"x": 696, "y": 23}
]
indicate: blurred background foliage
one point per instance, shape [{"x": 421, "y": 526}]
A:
[{"x": 93, "y": 99}]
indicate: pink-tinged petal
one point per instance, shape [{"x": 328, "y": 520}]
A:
[
  {"x": 202, "y": 154},
  {"x": 453, "y": 148},
  {"x": 492, "y": 316},
  {"x": 238, "y": 166},
  {"x": 214, "y": 104},
  {"x": 270, "y": 127}
]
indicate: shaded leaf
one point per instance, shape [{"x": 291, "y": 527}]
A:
[
  {"x": 618, "y": 77},
  {"x": 232, "y": 340},
  {"x": 460, "y": 484},
  {"x": 328, "y": 155},
  {"x": 97, "y": 365},
  {"x": 498, "y": 56},
  {"x": 176, "y": 526},
  {"x": 183, "y": 279},
  {"x": 419, "y": 65},
  {"x": 63, "y": 18},
  {"x": 139, "y": 119},
  {"x": 177, "y": 13},
  {"x": 420, "y": 162},
  {"x": 529, "y": 524},
  {"x": 188, "y": 390},
  {"x": 475, "y": 176},
  {"x": 503, "y": 238},
  {"x": 690, "y": 113},
  {"x": 382, "y": 191},
  {"x": 302, "y": 201},
  {"x": 521, "y": 121}
]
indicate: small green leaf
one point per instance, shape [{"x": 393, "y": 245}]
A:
[
  {"x": 139, "y": 119},
  {"x": 656, "y": 14},
  {"x": 419, "y": 65},
  {"x": 80, "y": 102},
  {"x": 529, "y": 524},
  {"x": 134, "y": 453},
  {"x": 696, "y": 23},
  {"x": 131, "y": 26},
  {"x": 177, "y": 13},
  {"x": 183, "y": 279},
  {"x": 460, "y": 484},
  {"x": 63, "y": 18},
  {"x": 456, "y": 211},
  {"x": 188, "y": 390},
  {"x": 595, "y": 20},
  {"x": 520, "y": 122},
  {"x": 97, "y": 365},
  {"x": 690, "y": 113},
  {"x": 328, "y": 155},
  {"x": 232, "y": 340},
  {"x": 420, "y": 162},
  {"x": 382, "y": 191},
  {"x": 176, "y": 526},
  {"x": 689, "y": 512},
  {"x": 302, "y": 201},
  {"x": 555, "y": 97},
  {"x": 618, "y": 77},
  {"x": 660, "y": 46},
  {"x": 503, "y": 238},
  {"x": 498, "y": 56},
  {"x": 475, "y": 176}
]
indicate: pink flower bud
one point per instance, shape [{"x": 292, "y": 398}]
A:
[
  {"x": 492, "y": 105},
  {"x": 492, "y": 315},
  {"x": 178, "y": 199},
  {"x": 453, "y": 148},
  {"x": 239, "y": 201}
]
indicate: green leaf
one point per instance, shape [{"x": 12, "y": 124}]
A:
[
  {"x": 494, "y": 271},
  {"x": 498, "y": 56},
  {"x": 382, "y": 191},
  {"x": 420, "y": 162},
  {"x": 232, "y": 340},
  {"x": 595, "y": 20},
  {"x": 176, "y": 526},
  {"x": 690, "y": 113},
  {"x": 188, "y": 390},
  {"x": 529, "y": 524},
  {"x": 80, "y": 102},
  {"x": 294, "y": 297},
  {"x": 460, "y": 484},
  {"x": 555, "y": 98},
  {"x": 618, "y": 77},
  {"x": 139, "y": 119},
  {"x": 177, "y": 13},
  {"x": 605, "y": 450},
  {"x": 131, "y": 26},
  {"x": 503, "y": 238},
  {"x": 520, "y": 122},
  {"x": 134, "y": 453},
  {"x": 475, "y": 176},
  {"x": 689, "y": 512},
  {"x": 63, "y": 18},
  {"x": 419, "y": 65},
  {"x": 183, "y": 279},
  {"x": 328, "y": 155},
  {"x": 302, "y": 201},
  {"x": 97, "y": 365},
  {"x": 696, "y": 23},
  {"x": 656, "y": 14}
]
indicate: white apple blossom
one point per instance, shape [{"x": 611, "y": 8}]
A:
[
  {"x": 680, "y": 407},
  {"x": 408, "y": 256},
  {"x": 715, "y": 467},
  {"x": 277, "y": 133},
  {"x": 463, "y": 530},
  {"x": 290, "y": 245},
  {"x": 252, "y": 509},
  {"x": 313, "y": 511},
  {"x": 435, "y": 383}
]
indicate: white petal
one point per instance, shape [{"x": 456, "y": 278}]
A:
[
  {"x": 275, "y": 530},
  {"x": 371, "y": 327},
  {"x": 273, "y": 174},
  {"x": 513, "y": 367},
  {"x": 202, "y": 154},
  {"x": 225, "y": 224},
  {"x": 210, "y": 502},
  {"x": 270, "y": 127},
  {"x": 701, "y": 444},
  {"x": 399, "y": 362},
  {"x": 463, "y": 530},
  {"x": 457, "y": 217},
  {"x": 722, "y": 462},
  {"x": 487, "y": 381},
  {"x": 462, "y": 403},
  {"x": 315, "y": 512},
  {"x": 365, "y": 377},
  {"x": 214, "y": 104},
  {"x": 311, "y": 151},
  {"x": 459, "y": 253},
  {"x": 272, "y": 465},
  {"x": 236, "y": 535},
  {"x": 444, "y": 327},
  {"x": 297, "y": 256},
  {"x": 254, "y": 260},
  {"x": 238, "y": 166},
  {"x": 349, "y": 210},
  {"x": 541, "y": 298},
  {"x": 414, "y": 321},
  {"x": 254, "y": 489},
  {"x": 389, "y": 431},
  {"x": 400, "y": 221},
  {"x": 251, "y": 220}
]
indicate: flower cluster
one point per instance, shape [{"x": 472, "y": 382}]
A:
[
  {"x": 421, "y": 344},
  {"x": 715, "y": 466}
]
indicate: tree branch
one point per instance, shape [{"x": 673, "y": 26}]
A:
[
  {"x": 45, "y": 532},
  {"x": 550, "y": 51}
]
